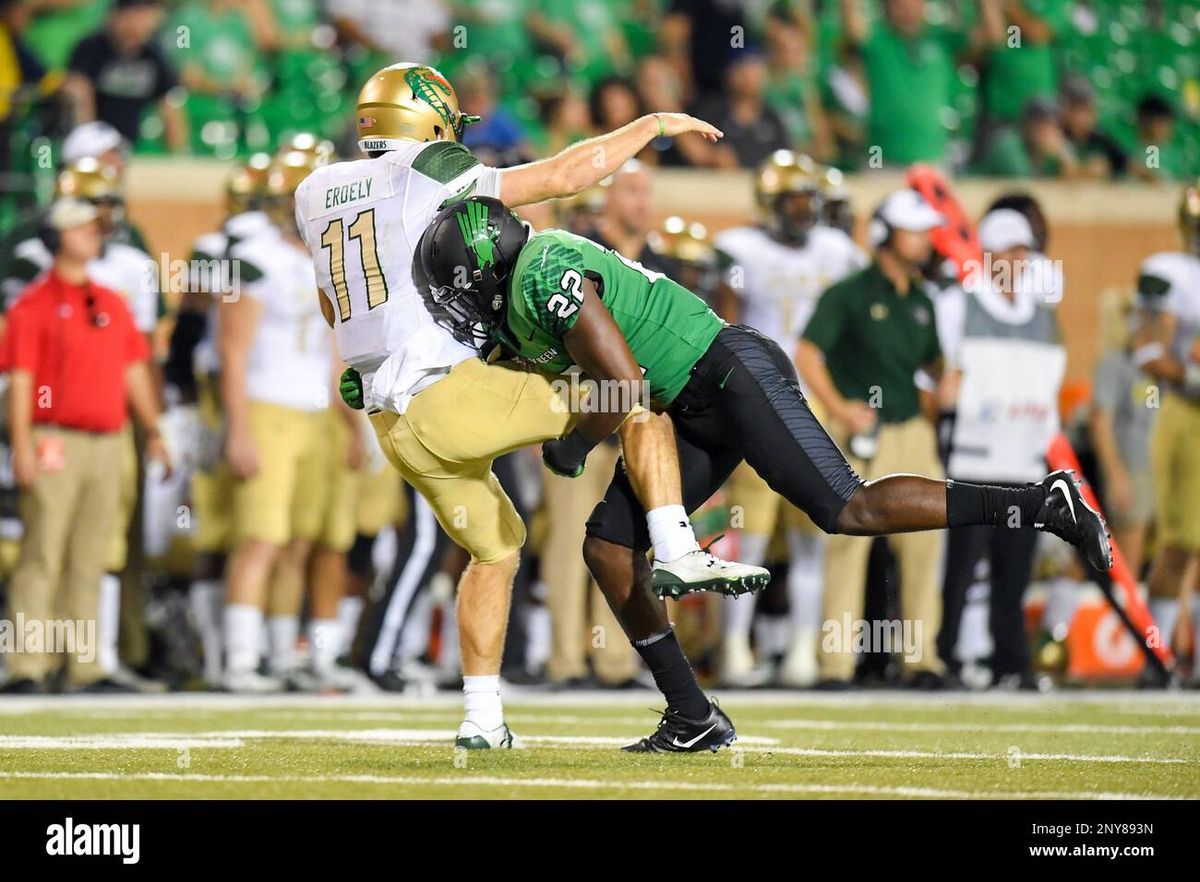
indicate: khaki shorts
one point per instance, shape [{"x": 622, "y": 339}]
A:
[
  {"x": 1175, "y": 462},
  {"x": 212, "y": 506},
  {"x": 287, "y": 498},
  {"x": 444, "y": 444},
  {"x": 338, "y": 524},
  {"x": 118, "y": 546}
]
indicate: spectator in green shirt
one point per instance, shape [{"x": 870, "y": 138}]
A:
[
  {"x": 868, "y": 337},
  {"x": 1158, "y": 155},
  {"x": 1038, "y": 149},
  {"x": 1019, "y": 63},
  {"x": 909, "y": 67}
]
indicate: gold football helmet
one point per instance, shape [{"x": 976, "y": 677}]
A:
[
  {"x": 307, "y": 142},
  {"x": 89, "y": 179},
  {"x": 684, "y": 242},
  {"x": 835, "y": 201},
  {"x": 288, "y": 170},
  {"x": 408, "y": 102},
  {"x": 247, "y": 184},
  {"x": 1189, "y": 217},
  {"x": 783, "y": 175}
]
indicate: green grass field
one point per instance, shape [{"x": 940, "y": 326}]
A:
[{"x": 1103, "y": 745}]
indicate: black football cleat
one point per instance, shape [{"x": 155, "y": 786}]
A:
[
  {"x": 677, "y": 734},
  {"x": 1066, "y": 514}
]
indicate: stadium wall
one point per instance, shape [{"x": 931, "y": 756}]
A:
[{"x": 1100, "y": 231}]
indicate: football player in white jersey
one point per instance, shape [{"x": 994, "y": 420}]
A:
[
  {"x": 192, "y": 369},
  {"x": 441, "y": 414},
  {"x": 276, "y": 381},
  {"x": 1168, "y": 295},
  {"x": 777, "y": 270}
]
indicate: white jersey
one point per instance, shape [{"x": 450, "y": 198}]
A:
[
  {"x": 362, "y": 221},
  {"x": 209, "y": 253},
  {"x": 290, "y": 362},
  {"x": 778, "y": 285},
  {"x": 122, "y": 268},
  {"x": 1170, "y": 282}
]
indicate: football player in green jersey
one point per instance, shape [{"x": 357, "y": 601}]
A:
[{"x": 555, "y": 300}]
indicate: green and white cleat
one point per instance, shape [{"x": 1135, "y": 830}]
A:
[
  {"x": 471, "y": 737},
  {"x": 700, "y": 571}
]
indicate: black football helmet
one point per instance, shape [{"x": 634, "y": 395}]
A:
[{"x": 463, "y": 264}]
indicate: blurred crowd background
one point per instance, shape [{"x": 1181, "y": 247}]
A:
[{"x": 1016, "y": 92}]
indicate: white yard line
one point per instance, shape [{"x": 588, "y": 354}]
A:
[
  {"x": 578, "y": 784},
  {"x": 445, "y": 737},
  {"x": 1049, "y": 728}
]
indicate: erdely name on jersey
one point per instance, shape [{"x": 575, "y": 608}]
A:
[{"x": 362, "y": 220}]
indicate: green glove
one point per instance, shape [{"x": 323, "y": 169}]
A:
[{"x": 350, "y": 388}]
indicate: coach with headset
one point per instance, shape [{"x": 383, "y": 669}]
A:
[
  {"x": 868, "y": 337},
  {"x": 77, "y": 366}
]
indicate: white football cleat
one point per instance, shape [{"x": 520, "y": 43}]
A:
[
  {"x": 700, "y": 571},
  {"x": 471, "y": 737}
]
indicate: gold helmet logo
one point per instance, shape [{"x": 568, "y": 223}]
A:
[
  {"x": 89, "y": 179},
  {"x": 1189, "y": 217},
  {"x": 408, "y": 102},
  {"x": 247, "y": 185}
]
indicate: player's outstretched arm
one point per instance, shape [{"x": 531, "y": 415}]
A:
[{"x": 581, "y": 165}]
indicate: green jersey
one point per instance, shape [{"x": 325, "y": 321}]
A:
[{"x": 666, "y": 326}]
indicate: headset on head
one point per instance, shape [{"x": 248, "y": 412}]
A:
[
  {"x": 879, "y": 231},
  {"x": 50, "y": 237}
]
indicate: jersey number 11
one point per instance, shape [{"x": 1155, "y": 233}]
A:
[{"x": 333, "y": 240}]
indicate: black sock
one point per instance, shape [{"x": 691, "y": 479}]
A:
[
  {"x": 999, "y": 506},
  {"x": 673, "y": 675}
]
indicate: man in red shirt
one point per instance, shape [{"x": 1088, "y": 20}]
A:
[{"x": 77, "y": 366}]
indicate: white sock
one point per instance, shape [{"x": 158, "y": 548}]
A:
[
  {"x": 538, "y": 630},
  {"x": 108, "y": 624},
  {"x": 324, "y": 642},
  {"x": 283, "y": 631},
  {"x": 206, "y": 599},
  {"x": 806, "y": 576},
  {"x": 670, "y": 532},
  {"x": 1166, "y": 613},
  {"x": 349, "y": 612},
  {"x": 484, "y": 708},
  {"x": 243, "y": 621}
]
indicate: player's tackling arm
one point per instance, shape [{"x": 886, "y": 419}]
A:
[
  {"x": 596, "y": 344},
  {"x": 581, "y": 165}
]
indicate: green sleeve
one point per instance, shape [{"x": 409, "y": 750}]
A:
[
  {"x": 824, "y": 328},
  {"x": 443, "y": 161},
  {"x": 551, "y": 286}
]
